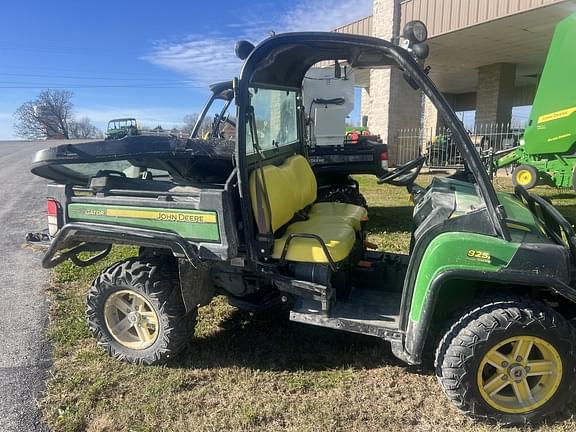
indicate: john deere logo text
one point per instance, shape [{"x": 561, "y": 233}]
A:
[
  {"x": 162, "y": 215},
  {"x": 180, "y": 217}
]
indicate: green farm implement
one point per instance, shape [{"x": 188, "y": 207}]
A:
[{"x": 548, "y": 154}]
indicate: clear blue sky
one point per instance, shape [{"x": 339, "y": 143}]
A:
[{"x": 148, "y": 59}]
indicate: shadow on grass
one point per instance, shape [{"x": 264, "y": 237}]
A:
[
  {"x": 271, "y": 342},
  {"x": 390, "y": 219}
]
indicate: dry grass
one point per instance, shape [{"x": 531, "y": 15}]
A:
[{"x": 252, "y": 373}]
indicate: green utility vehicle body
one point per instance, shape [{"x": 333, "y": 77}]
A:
[
  {"x": 242, "y": 220},
  {"x": 550, "y": 138}
]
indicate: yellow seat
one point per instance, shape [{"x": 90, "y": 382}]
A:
[
  {"x": 291, "y": 188},
  {"x": 338, "y": 237},
  {"x": 351, "y": 213}
]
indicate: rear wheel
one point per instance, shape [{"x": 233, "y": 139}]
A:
[
  {"x": 135, "y": 311},
  {"x": 344, "y": 194},
  {"x": 510, "y": 361},
  {"x": 525, "y": 176}
]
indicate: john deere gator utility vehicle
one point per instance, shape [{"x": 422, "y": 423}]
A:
[
  {"x": 488, "y": 283},
  {"x": 548, "y": 155},
  {"x": 119, "y": 128}
]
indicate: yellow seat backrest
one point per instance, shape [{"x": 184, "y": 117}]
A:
[
  {"x": 290, "y": 187},
  {"x": 305, "y": 180}
]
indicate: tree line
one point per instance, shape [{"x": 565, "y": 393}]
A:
[{"x": 51, "y": 116}]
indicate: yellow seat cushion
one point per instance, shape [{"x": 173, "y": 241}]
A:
[
  {"x": 291, "y": 186},
  {"x": 351, "y": 213},
  {"x": 343, "y": 220},
  {"x": 338, "y": 237}
]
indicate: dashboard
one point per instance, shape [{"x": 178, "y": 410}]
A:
[{"x": 444, "y": 199}]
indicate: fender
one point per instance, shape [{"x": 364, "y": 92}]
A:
[
  {"x": 76, "y": 233},
  {"x": 195, "y": 285},
  {"x": 417, "y": 332}
]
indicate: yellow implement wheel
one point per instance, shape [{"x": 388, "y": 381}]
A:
[
  {"x": 131, "y": 320},
  {"x": 519, "y": 374},
  {"x": 525, "y": 176}
]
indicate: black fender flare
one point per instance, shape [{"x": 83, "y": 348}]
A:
[
  {"x": 77, "y": 237},
  {"x": 417, "y": 333},
  {"x": 76, "y": 233}
]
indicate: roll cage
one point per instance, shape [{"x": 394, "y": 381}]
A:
[
  {"x": 281, "y": 61},
  {"x": 219, "y": 91}
]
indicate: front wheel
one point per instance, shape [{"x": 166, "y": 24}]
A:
[
  {"x": 136, "y": 312},
  {"x": 509, "y": 361}
]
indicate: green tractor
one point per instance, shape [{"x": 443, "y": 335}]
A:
[
  {"x": 488, "y": 286},
  {"x": 120, "y": 128},
  {"x": 548, "y": 155}
]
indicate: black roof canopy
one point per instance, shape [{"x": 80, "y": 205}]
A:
[
  {"x": 222, "y": 90},
  {"x": 283, "y": 60}
]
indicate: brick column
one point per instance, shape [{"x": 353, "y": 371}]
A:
[
  {"x": 495, "y": 93},
  {"x": 365, "y": 104},
  {"x": 394, "y": 105},
  {"x": 430, "y": 116}
]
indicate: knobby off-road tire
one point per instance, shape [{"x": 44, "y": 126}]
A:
[
  {"x": 347, "y": 195},
  {"x": 464, "y": 358},
  {"x": 148, "y": 290}
]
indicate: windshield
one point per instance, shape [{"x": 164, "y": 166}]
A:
[
  {"x": 276, "y": 118},
  {"x": 84, "y": 171}
]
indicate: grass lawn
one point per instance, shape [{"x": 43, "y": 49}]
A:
[{"x": 254, "y": 373}]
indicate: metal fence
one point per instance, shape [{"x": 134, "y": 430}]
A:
[{"x": 441, "y": 150}]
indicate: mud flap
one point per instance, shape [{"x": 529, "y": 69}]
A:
[{"x": 195, "y": 283}]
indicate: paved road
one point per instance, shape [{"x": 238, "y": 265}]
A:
[{"x": 24, "y": 352}]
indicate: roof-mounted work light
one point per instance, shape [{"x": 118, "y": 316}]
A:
[
  {"x": 414, "y": 39},
  {"x": 415, "y": 31}
]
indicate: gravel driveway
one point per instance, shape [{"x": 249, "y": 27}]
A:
[{"x": 24, "y": 352}]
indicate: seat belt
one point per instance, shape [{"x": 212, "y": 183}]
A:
[
  {"x": 264, "y": 224},
  {"x": 261, "y": 221}
]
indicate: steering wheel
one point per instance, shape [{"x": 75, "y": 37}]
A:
[
  {"x": 218, "y": 121},
  {"x": 403, "y": 175},
  {"x": 230, "y": 122}
]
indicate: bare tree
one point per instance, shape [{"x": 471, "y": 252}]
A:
[
  {"x": 46, "y": 117},
  {"x": 191, "y": 119},
  {"x": 83, "y": 128}
]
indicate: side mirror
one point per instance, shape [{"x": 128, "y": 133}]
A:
[
  {"x": 421, "y": 50},
  {"x": 243, "y": 49}
]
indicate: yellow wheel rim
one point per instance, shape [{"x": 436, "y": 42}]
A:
[
  {"x": 523, "y": 177},
  {"x": 131, "y": 320},
  {"x": 519, "y": 374}
]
